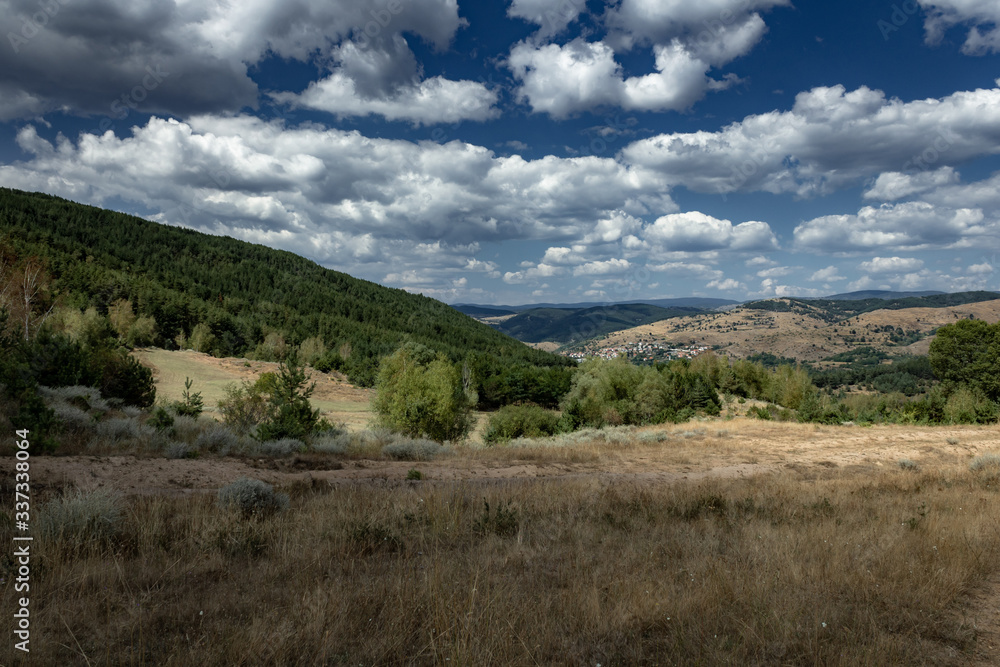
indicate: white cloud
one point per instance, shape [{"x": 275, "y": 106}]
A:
[
  {"x": 828, "y": 275},
  {"x": 363, "y": 205},
  {"x": 540, "y": 271},
  {"x": 776, "y": 272},
  {"x": 580, "y": 75},
  {"x": 760, "y": 260},
  {"x": 830, "y": 139},
  {"x": 697, "y": 232},
  {"x": 434, "y": 100},
  {"x": 893, "y": 185},
  {"x": 552, "y": 16},
  {"x": 982, "y": 17},
  {"x": 706, "y": 21},
  {"x": 891, "y": 265},
  {"x": 601, "y": 268},
  {"x": 905, "y": 226},
  {"x": 726, "y": 285}
]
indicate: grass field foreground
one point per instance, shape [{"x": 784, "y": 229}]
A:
[{"x": 850, "y": 570}]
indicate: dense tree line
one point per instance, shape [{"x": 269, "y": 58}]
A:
[{"x": 232, "y": 298}]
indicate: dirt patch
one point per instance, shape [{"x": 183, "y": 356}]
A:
[{"x": 743, "y": 448}]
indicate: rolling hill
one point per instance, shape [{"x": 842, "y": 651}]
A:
[
  {"x": 813, "y": 330},
  {"x": 567, "y": 325},
  {"x": 240, "y": 291}
]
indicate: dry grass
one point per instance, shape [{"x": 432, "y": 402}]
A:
[{"x": 852, "y": 570}]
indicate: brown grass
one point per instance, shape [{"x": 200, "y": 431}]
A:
[{"x": 857, "y": 568}]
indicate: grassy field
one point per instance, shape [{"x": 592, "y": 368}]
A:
[{"x": 827, "y": 547}]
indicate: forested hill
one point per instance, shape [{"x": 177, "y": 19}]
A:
[{"x": 240, "y": 291}]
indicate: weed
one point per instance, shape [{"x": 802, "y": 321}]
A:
[
  {"x": 907, "y": 464},
  {"x": 501, "y": 520},
  {"x": 413, "y": 473}
]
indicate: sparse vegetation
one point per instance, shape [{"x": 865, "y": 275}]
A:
[{"x": 870, "y": 568}]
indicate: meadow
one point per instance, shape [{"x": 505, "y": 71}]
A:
[{"x": 712, "y": 542}]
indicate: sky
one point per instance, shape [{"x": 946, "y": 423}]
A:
[{"x": 527, "y": 151}]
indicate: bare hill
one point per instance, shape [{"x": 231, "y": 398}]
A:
[{"x": 804, "y": 333}]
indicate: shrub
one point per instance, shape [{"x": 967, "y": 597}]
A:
[
  {"x": 161, "y": 420},
  {"x": 414, "y": 474},
  {"x": 331, "y": 444},
  {"x": 280, "y": 448},
  {"x": 219, "y": 439},
  {"x": 119, "y": 375},
  {"x": 984, "y": 461},
  {"x": 252, "y": 498},
  {"x": 117, "y": 432},
  {"x": 413, "y": 450},
  {"x": 81, "y": 519},
  {"x": 421, "y": 394},
  {"x": 178, "y": 450},
  {"x": 520, "y": 421},
  {"x": 907, "y": 464}
]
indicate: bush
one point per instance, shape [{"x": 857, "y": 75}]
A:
[
  {"x": 413, "y": 450},
  {"x": 80, "y": 519},
  {"x": 984, "y": 461},
  {"x": 280, "y": 448},
  {"x": 252, "y": 498},
  {"x": 520, "y": 421},
  {"x": 247, "y": 405},
  {"x": 218, "y": 439},
  {"x": 421, "y": 394},
  {"x": 161, "y": 420}
]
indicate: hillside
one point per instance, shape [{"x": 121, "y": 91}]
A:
[
  {"x": 814, "y": 330},
  {"x": 240, "y": 291},
  {"x": 567, "y": 325}
]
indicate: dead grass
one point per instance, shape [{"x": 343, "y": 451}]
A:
[{"x": 860, "y": 568}]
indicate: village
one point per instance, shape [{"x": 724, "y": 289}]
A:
[{"x": 639, "y": 352}]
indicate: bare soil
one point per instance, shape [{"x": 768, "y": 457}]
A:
[{"x": 715, "y": 449}]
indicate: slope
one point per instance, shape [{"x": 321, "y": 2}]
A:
[
  {"x": 566, "y": 325},
  {"x": 241, "y": 291},
  {"x": 812, "y": 330}
]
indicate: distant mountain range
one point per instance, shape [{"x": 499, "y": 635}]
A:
[{"x": 702, "y": 303}]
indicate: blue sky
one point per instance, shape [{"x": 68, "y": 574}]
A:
[{"x": 532, "y": 150}]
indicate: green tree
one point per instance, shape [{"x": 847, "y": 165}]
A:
[
  {"x": 292, "y": 416},
  {"x": 968, "y": 353},
  {"x": 421, "y": 394}
]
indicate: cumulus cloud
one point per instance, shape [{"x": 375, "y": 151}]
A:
[
  {"x": 830, "y": 139},
  {"x": 828, "y": 275},
  {"x": 552, "y": 16},
  {"x": 87, "y": 55},
  {"x": 578, "y": 76},
  {"x": 697, "y": 232},
  {"x": 726, "y": 285},
  {"x": 905, "y": 226},
  {"x": 600, "y": 268},
  {"x": 894, "y": 185},
  {"x": 891, "y": 265},
  {"x": 659, "y": 21},
  {"x": 982, "y": 17},
  {"x": 357, "y": 203}
]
